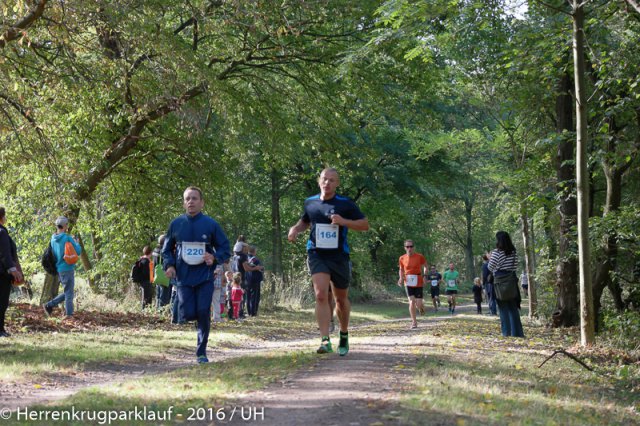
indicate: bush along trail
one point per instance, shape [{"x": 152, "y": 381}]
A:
[{"x": 138, "y": 369}]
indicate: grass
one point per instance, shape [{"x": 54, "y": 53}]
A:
[
  {"x": 201, "y": 392},
  {"x": 466, "y": 370},
  {"x": 463, "y": 369}
]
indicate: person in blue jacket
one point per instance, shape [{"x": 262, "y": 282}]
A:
[
  {"x": 66, "y": 271},
  {"x": 193, "y": 246}
]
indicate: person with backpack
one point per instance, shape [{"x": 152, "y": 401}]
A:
[
  {"x": 194, "y": 245},
  {"x": 142, "y": 274},
  {"x": 254, "y": 277},
  {"x": 503, "y": 263},
  {"x": 66, "y": 251}
]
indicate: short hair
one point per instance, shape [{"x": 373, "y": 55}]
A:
[
  {"x": 194, "y": 188},
  {"x": 146, "y": 250},
  {"x": 252, "y": 249},
  {"x": 3, "y": 212},
  {"x": 408, "y": 241},
  {"x": 329, "y": 169}
]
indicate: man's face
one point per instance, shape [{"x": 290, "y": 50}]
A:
[
  {"x": 433, "y": 270},
  {"x": 193, "y": 203},
  {"x": 408, "y": 247},
  {"x": 451, "y": 266},
  {"x": 328, "y": 182}
]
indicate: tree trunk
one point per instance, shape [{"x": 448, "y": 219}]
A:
[
  {"x": 549, "y": 236},
  {"x": 532, "y": 244},
  {"x": 528, "y": 260},
  {"x": 566, "y": 313},
  {"x": 276, "y": 229},
  {"x": 587, "y": 323},
  {"x": 603, "y": 278},
  {"x": 50, "y": 288},
  {"x": 468, "y": 249}
]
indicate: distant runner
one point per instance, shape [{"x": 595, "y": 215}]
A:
[
  {"x": 451, "y": 280},
  {"x": 412, "y": 267},
  {"x": 434, "y": 278}
]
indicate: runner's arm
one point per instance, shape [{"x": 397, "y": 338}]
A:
[
  {"x": 299, "y": 227},
  {"x": 356, "y": 225}
]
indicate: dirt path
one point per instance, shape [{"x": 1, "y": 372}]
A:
[
  {"x": 359, "y": 389},
  {"x": 362, "y": 388}
]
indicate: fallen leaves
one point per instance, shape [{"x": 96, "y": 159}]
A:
[{"x": 28, "y": 318}]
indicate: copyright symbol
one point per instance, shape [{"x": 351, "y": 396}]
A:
[{"x": 5, "y": 414}]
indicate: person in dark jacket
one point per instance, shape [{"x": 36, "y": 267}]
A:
[
  {"x": 477, "y": 294},
  {"x": 194, "y": 245},
  {"x": 147, "y": 276},
  {"x": 9, "y": 269},
  {"x": 254, "y": 277},
  {"x": 487, "y": 283}
]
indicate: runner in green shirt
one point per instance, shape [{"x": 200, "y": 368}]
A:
[{"x": 451, "y": 280}]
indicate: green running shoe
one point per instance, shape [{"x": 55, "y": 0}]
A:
[
  {"x": 343, "y": 347},
  {"x": 325, "y": 347}
]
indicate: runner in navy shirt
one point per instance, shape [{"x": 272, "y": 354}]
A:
[
  {"x": 330, "y": 216},
  {"x": 194, "y": 245}
]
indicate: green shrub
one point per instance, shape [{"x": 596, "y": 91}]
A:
[{"x": 622, "y": 329}]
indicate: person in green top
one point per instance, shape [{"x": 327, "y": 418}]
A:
[{"x": 450, "y": 278}]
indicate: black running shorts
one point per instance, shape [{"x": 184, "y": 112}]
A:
[
  {"x": 416, "y": 292},
  {"x": 338, "y": 267}
]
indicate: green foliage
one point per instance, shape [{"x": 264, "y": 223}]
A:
[{"x": 622, "y": 329}]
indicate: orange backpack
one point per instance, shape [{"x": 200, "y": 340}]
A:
[{"x": 70, "y": 254}]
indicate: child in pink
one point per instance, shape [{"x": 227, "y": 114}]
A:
[
  {"x": 236, "y": 294},
  {"x": 225, "y": 295}
]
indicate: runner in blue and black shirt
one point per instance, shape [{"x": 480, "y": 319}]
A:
[{"x": 330, "y": 216}]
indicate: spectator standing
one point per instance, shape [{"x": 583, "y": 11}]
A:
[
  {"x": 524, "y": 282},
  {"x": 163, "y": 293},
  {"x": 477, "y": 294},
  {"x": 487, "y": 281},
  {"x": 236, "y": 294},
  {"x": 238, "y": 263},
  {"x": 66, "y": 271},
  {"x": 218, "y": 280},
  {"x": 254, "y": 276},
  {"x": 9, "y": 269},
  {"x": 147, "y": 271},
  {"x": 503, "y": 264}
]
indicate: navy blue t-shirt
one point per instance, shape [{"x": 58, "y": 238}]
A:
[{"x": 331, "y": 239}]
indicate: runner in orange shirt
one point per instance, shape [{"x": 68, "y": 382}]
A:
[{"x": 412, "y": 269}]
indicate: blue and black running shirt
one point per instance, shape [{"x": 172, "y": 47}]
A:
[{"x": 323, "y": 237}]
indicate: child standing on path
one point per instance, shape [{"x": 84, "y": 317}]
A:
[
  {"x": 236, "y": 294},
  {"x": 477, "y": 293}
]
